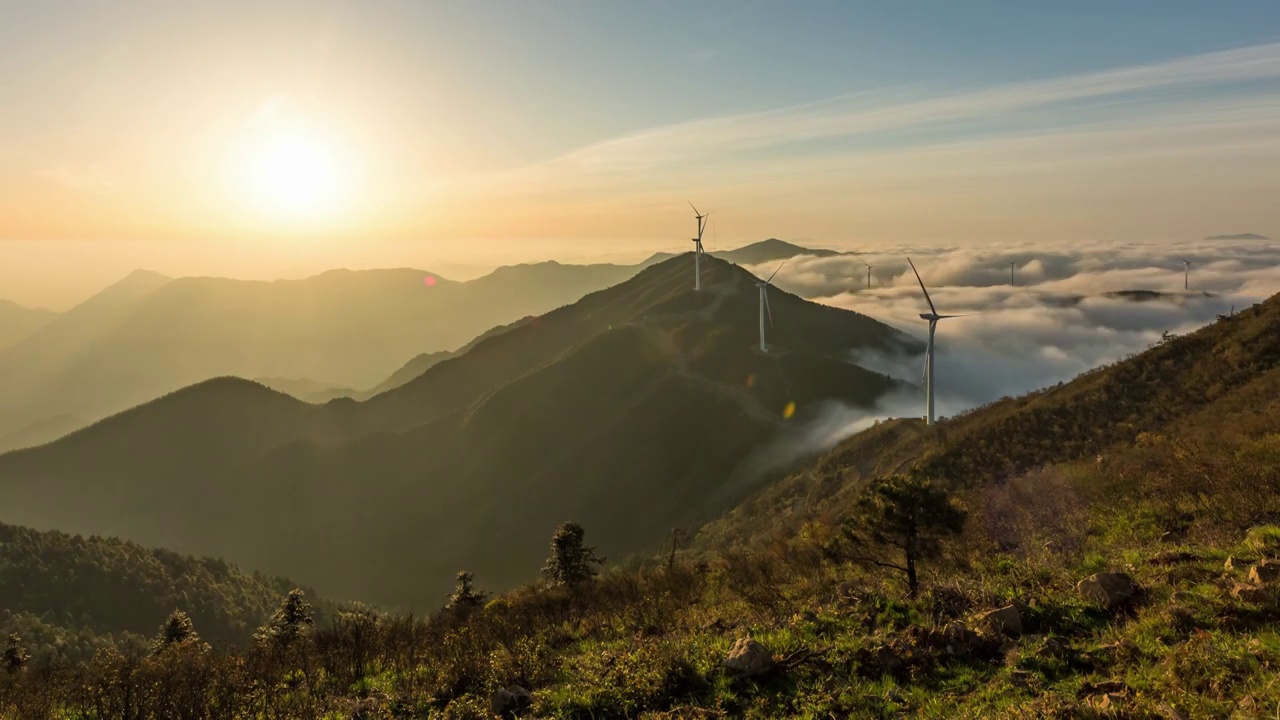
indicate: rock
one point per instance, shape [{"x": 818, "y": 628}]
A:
[
  {"x": 1230, "y": 564},
  {"x": 1108, "y": 701},
  {"x": 748, "y": 658},
  {"x": 506, "y": 702},
  {"x": 1249, "y": 593},
  {"x": 1006, "y": 620},
  {"x": 957, "y": 638},
  {"x": 1110, "y": 590},
  {"x": 1264, "y": 573}
]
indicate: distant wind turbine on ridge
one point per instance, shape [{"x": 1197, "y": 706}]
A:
[
  {"x": 1012, "y": 265},
  {"x": 868, "y": 276},
  {"x": 697, "y": 248},
  {"x": 933, "y": 317},
  {"x": 1186, "y": 274},
  {"x": 764, "y": 306}
]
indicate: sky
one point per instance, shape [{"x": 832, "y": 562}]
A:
[{"x": 265, "y": 139}]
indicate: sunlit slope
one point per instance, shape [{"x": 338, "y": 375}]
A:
[
  {"x": 632, "y": 409},
  {"x": 1223, "y": 375}
]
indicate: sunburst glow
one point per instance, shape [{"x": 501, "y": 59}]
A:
[{"x": 295, "y": 176}]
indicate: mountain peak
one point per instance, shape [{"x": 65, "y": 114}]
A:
[{"x": 1240, "y": 236}]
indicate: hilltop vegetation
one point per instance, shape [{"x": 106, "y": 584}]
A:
[
  {"x": 645, "y": 394},
  {"x": 70, "y": 596},
  {"x": 1162, "y": 470}
]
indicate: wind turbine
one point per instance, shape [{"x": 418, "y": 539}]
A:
[
  {"x": 933, "y": 317},
  {"x": 1186, "y": 274},
  {"x": 868, "y": 276},
  {"x": 764, "y": 306},
  {"x": 1012, "y": 265},
  {"x": 697, "y": 248}
]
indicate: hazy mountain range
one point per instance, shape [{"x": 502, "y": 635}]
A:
[
  {"x": 1241, "y": 236},
  {"x": 338, "y": 333},
  {"x": 17, "y": 322},
  {"x": 645, "y": 394}
]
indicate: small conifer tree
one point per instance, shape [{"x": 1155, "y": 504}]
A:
[
  {"x": 177, "y": 632},
  {"x": 905, "y": 516},
  {"x": 571, "y": 561},
  {"x": 289, "y": 623},
  {"x": 465, "y": 596},
  {"x": 15, "y": 654}
]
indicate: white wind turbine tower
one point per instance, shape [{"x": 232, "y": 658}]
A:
[
  {"x": 697, "y": 248},
  {"x": 1186, "y": 274},
  {"x": 933, "y": 317},
  {"x": 764, "y": 306}
]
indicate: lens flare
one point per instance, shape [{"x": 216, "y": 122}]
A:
[{"x": 788, "y": 411}]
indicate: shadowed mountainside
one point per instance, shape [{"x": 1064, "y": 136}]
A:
[{"x": 631, "y": 410}]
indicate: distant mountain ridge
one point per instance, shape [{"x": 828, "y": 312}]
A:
[
  {"x": 18, "y": 322},
  {"x": 632, "y": 410},
  {"x": 150, "y": 334},
  {"x": 1241, "y": 236},
  {"x": 769, "y": 250}
]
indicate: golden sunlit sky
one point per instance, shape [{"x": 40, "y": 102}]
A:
[{"x": 265, "y": 139}]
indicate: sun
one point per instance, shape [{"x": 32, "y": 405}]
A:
[{"x": 292, "y": 175}]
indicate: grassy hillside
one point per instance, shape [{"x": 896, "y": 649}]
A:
[
  {"x": 636, "y": 408},
  {"x": 1112, "y": 472},
  {"x": 68, "y": 596}
]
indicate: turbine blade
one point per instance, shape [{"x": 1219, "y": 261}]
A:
[
  {"x": 768, "y": 308},
  {"x": 927, "y": 299},
  {"x": 695, "y": 210},
  {"x": 775, "y": 272}
]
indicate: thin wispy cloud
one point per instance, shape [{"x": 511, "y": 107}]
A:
[
  {"x": 864, "y": 113},
  {"x": 1221, "y": 102}
]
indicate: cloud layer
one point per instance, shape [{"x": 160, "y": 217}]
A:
[{"x": 1060, "y": 319}]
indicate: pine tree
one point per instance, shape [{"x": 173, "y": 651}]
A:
[
  {"x": 177, "y": 631},
  {"x": 465, "y": 597},
  {"x": 15, "y": 654},
  {"x": 571, "y": 561},
  {"x": 289, "y": 623},
  {"x": 905, "y": 515}
]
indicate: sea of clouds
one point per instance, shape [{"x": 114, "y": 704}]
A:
[{"x": 1057, "y": 321}]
